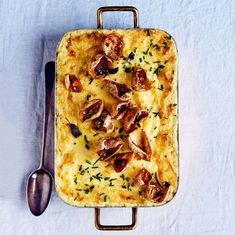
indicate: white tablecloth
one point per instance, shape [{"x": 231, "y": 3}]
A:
[{"x": 205, "y": 35}]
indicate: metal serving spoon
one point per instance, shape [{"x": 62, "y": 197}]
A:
[{"x": 40, "y": 182}]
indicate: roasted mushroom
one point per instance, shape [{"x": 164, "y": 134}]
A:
[
  {"x": 103, "y": 124},
  {"x": 132, "y": 118},
  {"x": 143, "y": 177},
  {"x": 118, "y": 90},
  {"x": 108, "y": 146},
  {"x": 139, "y": 144},
  {"x": 157, "y": 192},
  {"x": 120, "y": 160},
  {"x": 119, "y": 110},
  {"x": 140, "y": 81},
  {"x": 113, "y": 46},
  {"x": 100, "y": 66},
  {"x": 91, "y": 110},
  {"x": 72, "y": 83}
]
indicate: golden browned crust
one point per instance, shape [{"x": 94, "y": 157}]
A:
[{"x": 81, "y": 180}]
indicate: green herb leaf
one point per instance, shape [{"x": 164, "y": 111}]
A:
[
  {"x": 160, "y": 88},
  {"x": 91, "y": 80},
  {"x": 105, "y": 198}
]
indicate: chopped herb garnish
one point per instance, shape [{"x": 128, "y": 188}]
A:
[
  {"x": 108, "y": 165},
  {"x": 140, "y": 60},
  {"x": 87, "y": 190},
  {"x": 149, "y": 109},
  {"x": 86, "y": 140},
  {"x": 135, "y": 49},
  {"x": 150, "y": 69},
  {"x": 148, "y": 32},
  {"x": 156, "y": 114},
  {"x": 75, "y": 180},
  {"x": 101, "y": 194},
  {"x": 113, "y": 179},
  {"x": 123, "y": 186},
  {"x": 80, "y": 168},
  {"x": 94, "y": 167},
  {"x": 131, "y": 56},
  {"x": 91, "y": 188},
  {"x": 146, "y": 62},
  {"x": 127, "y": 179},
  {"x": 155, "y": 137},
  {"x": 129, "y": 187},
  {"x": 91, "y": 178},
  {"x": 106, "y": 178},
  {"x": 88, "y": 162},
  {"x": 96, "y": 134},
  {"x": 146, "y": 52},
  {"x": 78, "y": 189},
  {"x": 174, "y": 105},
  {"x": 159, "y": 69},
  {"x": 88, "y": 97},
  {"x": 98, "y": 176},
  {"x": 166, "y": 62},
  {"x": 105, "y": 198},
  {"x": 86, "y": 184},
  {"x": 122, "y": 176},
  {"x": 87, "y": 146},
  {"x": 150, "y": 53},
  {"x": 91, "y": 80},
  {"x": 160, "y": 88}
]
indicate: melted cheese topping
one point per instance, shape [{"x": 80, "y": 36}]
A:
[{"x": 78, "y": 181}]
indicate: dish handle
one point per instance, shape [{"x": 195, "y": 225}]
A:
[
  {"x": 117, "y": 8},
  {"x": 100, "y": 226}
]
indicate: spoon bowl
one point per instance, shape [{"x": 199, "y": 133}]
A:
[{"x": 39, "y": 190}]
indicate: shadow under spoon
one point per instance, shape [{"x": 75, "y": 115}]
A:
[{"x": 40, "y": 182}]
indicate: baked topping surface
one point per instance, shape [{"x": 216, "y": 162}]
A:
[{"x": 116, "y": 118}]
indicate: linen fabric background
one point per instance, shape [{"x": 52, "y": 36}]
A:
[{"x": 205, "y": 35}]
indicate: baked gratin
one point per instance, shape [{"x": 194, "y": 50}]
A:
[{"x": 116, "y": 118}]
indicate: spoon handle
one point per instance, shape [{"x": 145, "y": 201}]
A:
[{"x": 49, "y": 82}]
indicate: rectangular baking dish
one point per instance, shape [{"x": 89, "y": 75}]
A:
[{"x": 81, "y": 179}]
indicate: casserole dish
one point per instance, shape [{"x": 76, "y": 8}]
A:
[{"x": 116, "y": 118}]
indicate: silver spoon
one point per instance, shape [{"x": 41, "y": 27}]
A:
[{"x": 40, "y": 182}]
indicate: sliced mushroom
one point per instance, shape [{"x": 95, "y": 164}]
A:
[
  {"x": 119, "y": 110},
  {"x": 120, "y": 161},
  {"x": 113, "y": 46},
  {"x": 139, "y": 144},
  {"x": 143, "y": 177},
  {"x": 118, "y": 90},
  {"x": 108, "y": 146},
  {"x": 103, "y": 124},
  {"x": 91, "y": 110},
  {"x": 72, "y": 83},
  {"x": 157, "y": 192},
  {"x": 132, "y": 118},
  {"x": 100, "y": 66},
  {"x": 140, "y": 81}
]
